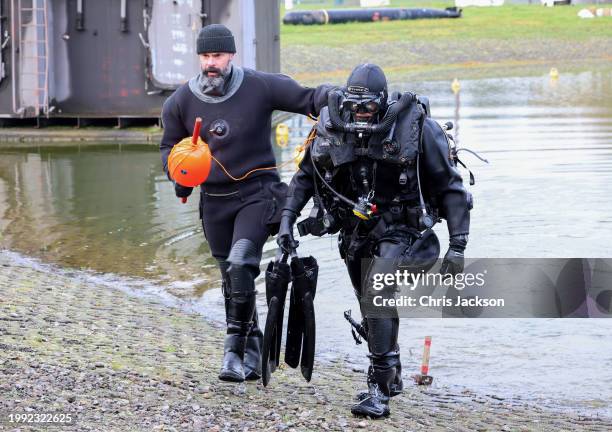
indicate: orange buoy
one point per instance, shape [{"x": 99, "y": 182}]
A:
[{"x": 190, "y": 160}]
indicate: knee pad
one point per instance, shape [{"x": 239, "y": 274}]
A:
[
  {"x": 376, "y": 290},
  {"x": 382, "y": 337},
  {"x": 223, "y": 266},
  {"x": 245, "y": 253},
  {"x": 244, "y": 261},
  {"x": 386, "y": 372}
]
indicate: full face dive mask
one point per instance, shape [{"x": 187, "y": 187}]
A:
[{"x": 366, "y": 103}]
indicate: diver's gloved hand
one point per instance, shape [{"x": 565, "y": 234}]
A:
[
  {"x": 454, "y": 259},
  {"x": 285, "y": 238},
  {"x": 182, "y": 191}
]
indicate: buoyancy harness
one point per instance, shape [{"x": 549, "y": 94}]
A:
[{"x": 334, "y": 148}]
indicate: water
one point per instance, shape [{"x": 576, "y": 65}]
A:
[{"x": 110, "y": 214}]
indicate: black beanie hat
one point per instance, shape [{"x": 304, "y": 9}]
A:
[
  {"x": 215, "y": 38},
  {"x": 367, "y": 78}
]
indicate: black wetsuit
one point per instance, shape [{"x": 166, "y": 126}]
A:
[
  {"x": 237, "y": 214},
  {"x": 243, "y": 146}
]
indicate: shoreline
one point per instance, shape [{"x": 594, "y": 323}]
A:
[
  {"x": 61, "y": 136},
  {"x": 441, "y": 69},
  {"x": 135, "y": 364},
  {"x": 29, "y": 137}
]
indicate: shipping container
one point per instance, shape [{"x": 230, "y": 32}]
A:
[{"x": 117, "y": 59}]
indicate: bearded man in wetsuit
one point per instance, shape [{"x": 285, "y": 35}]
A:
[{"x": 237, "y": 205}]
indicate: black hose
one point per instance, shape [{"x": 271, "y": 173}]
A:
[
  {"x": 332, "y": 16},
  {"x": 333, "y": 103},
  {"x": 341, "y": 197}
]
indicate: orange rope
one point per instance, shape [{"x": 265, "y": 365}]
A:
[{"x": 309, "y": 139}]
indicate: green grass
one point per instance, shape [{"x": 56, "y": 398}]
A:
[{"x": 506, "y": 23}]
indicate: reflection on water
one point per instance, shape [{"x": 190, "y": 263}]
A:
[
  {"x": 546, "y": 193},
  {"x": 108, "y": 209}
]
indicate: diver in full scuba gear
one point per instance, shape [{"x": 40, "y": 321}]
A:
[{"x": 381, "y": 173}]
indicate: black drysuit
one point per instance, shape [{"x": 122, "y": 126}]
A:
[
  {"x": 234, "y": 210},
  {"x": 236, "y": 214},
  {"x": 348, "y": 163}
]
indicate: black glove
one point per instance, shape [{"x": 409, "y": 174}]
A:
[
  {"x": 285, "y": 238},
  {"x": 454, "y": 259},
  {"x": 182, "y": 191}
]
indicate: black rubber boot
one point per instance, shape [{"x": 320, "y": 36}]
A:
[
  {"x": 252, "y": 355},
  {"x": 382, "y": 377},
  {"x": 233, "y": 358},
  {"x": 374, "y": 403},
  {"x": 396, "y": 387},
  {"x": 240, "y": 308}
]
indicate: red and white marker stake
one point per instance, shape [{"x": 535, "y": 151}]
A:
[
  {"x": 426, "y": 348},
  {"x": 423, "y": 378}
]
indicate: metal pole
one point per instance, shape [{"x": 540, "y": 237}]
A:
[
  {"x": 80, "y": 18},
  {"x": 124, "y": 27},
  {"x": 46, "y": 78},
  {"x": 2, "y": 73},
  {"x": 15, "y": 16}
]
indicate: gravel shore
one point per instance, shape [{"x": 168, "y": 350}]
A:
[{"x": 124, "y": 363}]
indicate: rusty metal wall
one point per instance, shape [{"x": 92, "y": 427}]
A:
[{"x": 105, "y": 67}]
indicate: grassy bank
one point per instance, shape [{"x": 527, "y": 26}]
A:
[{"x": 500, "y": 36}]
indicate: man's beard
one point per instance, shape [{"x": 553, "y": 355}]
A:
[{"x": 215, "y": 82}]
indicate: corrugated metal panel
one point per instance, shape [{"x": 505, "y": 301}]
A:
[
  {"x": 99, "y": 65},
  {"x": 6, "y": 39},
  {"x": 171, "y": 36},
  {"x": 32, "y": 96},
  {"x": 2, "y": 38},
  {"x": 249, "y": 46},
  {"x": 267, "y": 18},
  {"x": 106, "y": 66}
]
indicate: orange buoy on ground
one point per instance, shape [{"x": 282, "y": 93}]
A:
[{"x": 190, "y": 160}]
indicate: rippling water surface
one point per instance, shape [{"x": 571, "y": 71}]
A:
[{"x": 545, "y": 193}]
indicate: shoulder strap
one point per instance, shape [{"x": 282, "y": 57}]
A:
[{"x": 424, "y": 102}]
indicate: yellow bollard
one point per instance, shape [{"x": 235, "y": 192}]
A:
[
  {"x": 455, "y": 86},
  {"x": 554, "y": 73},
  {"x": 282, "y": 135}
]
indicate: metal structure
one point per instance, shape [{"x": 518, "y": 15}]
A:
[
  {"x": 89, "y": 59},
  {"x": 31, "y": 97}
]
